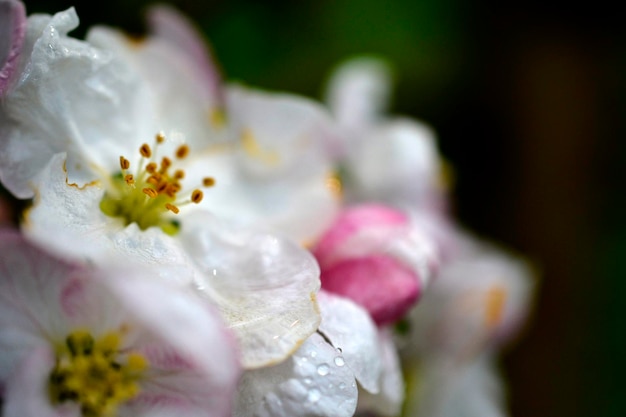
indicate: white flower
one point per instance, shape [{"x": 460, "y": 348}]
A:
[
  {"x": 80, "y": 137},
  {"x": 77, "y": 340},
  {"x": 389, "y": 160},
  {"x": 13, "y": 28},
  {"x": 477, "y": 304}
]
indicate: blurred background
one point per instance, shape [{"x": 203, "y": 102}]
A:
[{"x": 528, "y": 100}]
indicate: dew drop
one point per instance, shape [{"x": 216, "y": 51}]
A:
[
  {"x": 314, "y": 396},
  {"x": 342, "y": 386},
  {"x": 308, "y": 381},
  {"x": 313, "y": 354},
  {"x": 339, "y": 361},
  {"x": 323, "y": 369}
]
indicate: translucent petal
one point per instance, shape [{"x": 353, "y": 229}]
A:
[
  {"x": 12, "y": 31},
  {"x": 352, "y": 332},
  {"x": 264, "y": 286}
]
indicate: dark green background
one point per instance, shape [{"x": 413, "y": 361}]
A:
[{"x": 529, "y": 102}]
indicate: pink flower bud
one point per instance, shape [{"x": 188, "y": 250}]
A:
[{"x": 373, "y": 255}]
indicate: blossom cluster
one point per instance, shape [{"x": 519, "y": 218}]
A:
[{"x": 194, "y": 247}]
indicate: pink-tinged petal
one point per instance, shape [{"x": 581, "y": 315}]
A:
[
  {"x": 31, "y": 288},
  {"x": 386, "y": 288},
  {"x": 12, "y": 31},
  {"x": 171, "y": 26},
  {"x": 352, "y": 221},
  {"x": 202, "y": 351},
  {"x": 26, "y": 392}
]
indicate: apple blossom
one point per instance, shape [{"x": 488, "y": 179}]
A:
[{"x": 83, "y": 340}]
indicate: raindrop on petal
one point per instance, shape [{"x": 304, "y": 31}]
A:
[
  {"x": 323, "y": 369},
  {"x": 339, "y": 361}
]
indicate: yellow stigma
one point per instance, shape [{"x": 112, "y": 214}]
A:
[
  {"x": 153, "y": 190},
  {"x": 494, "y": 308},
  {"x": 95, "y": 373}
]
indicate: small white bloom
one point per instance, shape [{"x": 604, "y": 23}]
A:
[{"x": 77, "y": 340}]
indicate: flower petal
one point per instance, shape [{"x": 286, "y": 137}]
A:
[
  {"x": 264, "y": 286},
  {"x": 12, "y": 31},
  {"x": 71, "y": 98},
  {"x": 197, "y": 339},
  {"x": 171, "y": 26},
  {"x": 358, "y": 92},
  {"x": 351, "y": 331},
  {"x": 34, "y": 294},
  {"x": 309, "y": 383},
  {"x": 388, "y": 402},
  {"x": 27, "y": 390},
  {"x": 472, "y": 390}
]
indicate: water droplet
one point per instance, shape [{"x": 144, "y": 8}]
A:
[
  {"x": 314, "y": 396},
  {"x": 323, "y": 369},
  {"x": 313, "y": 354},
  {"x": 342, "y": 386},
  {"x": 339, "y": 361},
  {"x": 307, "y": 381}
]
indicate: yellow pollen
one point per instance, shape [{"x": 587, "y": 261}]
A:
[
  {"x": 95, "y": 373},
  {"x": 151, "y": 168},
  {"x": 130, "y": 180},
  {"x": 179, "y": 174},
  {"x": 208, "y": 181},
  {"x": 160, "y": 138},
  {"x": 182, "y": 151},
  {"x": 196, "y": 196},
  {"x": 124, "y": 163},
  {"x": 172, "y": 208},
  {"x": 145, "y": 150}
]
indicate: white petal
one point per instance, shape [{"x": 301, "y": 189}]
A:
[
  {"x": 445, "y": 390},
  {"x": 389, "y": 401},
  {"x": 309, "y": 383},
  {"x": 180, "y": 103},
  {"x": 351, "y": 331},
  {"x": 71, "y": 97},
  {"x": 27, "y": 391},
  {"x": 358, "y": 92},
  {"x": 264, "y": 286},
  {"x": 479, "y": 299},
  {"x": 396, "y": 162},
  {"x": 67, "y": 220}
]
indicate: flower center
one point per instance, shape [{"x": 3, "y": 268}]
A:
[
  {"x": 95, "y": 373},
  {"x": 146, "y": 196}
]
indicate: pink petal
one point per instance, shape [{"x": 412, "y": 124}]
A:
[
  {"x": 171, "y": 26},
  {"x": 383, "y": 286},
  {"x": 351, "y": 221},
  {"x": 12, "y": 31}
]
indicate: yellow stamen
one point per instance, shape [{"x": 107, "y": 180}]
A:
[
  {"x": 172, "y": 208},
  {"x": 182, "y": 151},
  {"x": 196, "y": 196},
  {"x": 145, "y": 150},
  {"x": 494, "y": 309},
  {"x": 150, "y": 192},
  {"x": 124, "y": 163},
  {"x": 160, "y": 138},
  {"x": 208, "y": 181},
  {"x": 95, "y": 373}
]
